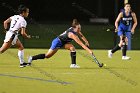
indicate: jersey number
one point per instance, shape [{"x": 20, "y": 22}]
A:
[
  {"x": 127, "y": 23},
  {"x": 14, "y": 24}
]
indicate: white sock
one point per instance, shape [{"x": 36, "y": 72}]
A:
[{"x": 21, "y": 56}]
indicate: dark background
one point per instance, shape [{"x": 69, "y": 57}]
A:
[
  {"x": 62, "y": 10},
  {"x": 49, "y": 18}
]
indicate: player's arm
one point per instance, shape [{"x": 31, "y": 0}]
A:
[
  {"x": 83, "y": 38},
  {"x": 5, "y": 23},
  {"x": 117, "y": 20},
  {"x": 135, "y": 23},
  {"x": 78, "y": 41},
  {"x": 23, "y": 33}
]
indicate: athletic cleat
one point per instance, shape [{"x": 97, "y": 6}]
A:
[
  {"x": 28, "y": 64},
  {"x": 110, "y": 54},
  {"x": 74, "y": 66},
  {"x": 23, "y": 65},
  {"x": 125, "y": 58},
  {"x": 29, "y": 60}
]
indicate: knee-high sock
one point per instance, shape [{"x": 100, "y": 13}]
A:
[
  {"x": 73, "y": 57},
  {"x": 124, "y": 49},
  {"x": 21, "y": 56},
  {"x": 39, "y": 56},
  {"x": 117, "y": 47}
]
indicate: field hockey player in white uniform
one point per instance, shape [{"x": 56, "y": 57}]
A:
[{"x": 17, "y": 25}]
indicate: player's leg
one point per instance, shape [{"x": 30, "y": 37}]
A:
[
  {"x": 72, "y": 54},
  {"x": 5, "y": 46},
  {"x": 124, "y": 48},
  {"x": 129, "y": 37},
  {"x": 20, "y": 53},
  {"x": 49, "y": 54},
  {"x": 118, "y": 46},
  {"x": 7, "y": 42},
  {"x": 56, "y": 44}
]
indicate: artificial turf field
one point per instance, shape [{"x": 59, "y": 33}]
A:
[{"x": 54, "y": 75}]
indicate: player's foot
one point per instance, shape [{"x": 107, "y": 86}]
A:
[
  {"x": 125, "y": 58},
  {"x": 23, "y": 65},
  {"x": 29, "y": 60},
  {"x": 74, "y": 66},
  {"x": 28, "y": 64},
  {"x": 110, "y": 54}
]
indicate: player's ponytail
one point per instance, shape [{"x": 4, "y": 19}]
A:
[
  {"x": 22, "y": 9},
  {"x": 75, "y": 23}
]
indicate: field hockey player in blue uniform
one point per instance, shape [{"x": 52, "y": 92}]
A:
[
  {"x": 64, "y": 40},
  {"x": 126, "y": 22}
]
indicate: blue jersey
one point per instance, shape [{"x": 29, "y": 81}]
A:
[
  {"x": 64, "y": 36},
  {"x": 125, "y": 23},
  {"x": 62, "y": 39}
]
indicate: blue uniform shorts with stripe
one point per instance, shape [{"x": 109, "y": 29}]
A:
[{"x": 56, "y": 43}]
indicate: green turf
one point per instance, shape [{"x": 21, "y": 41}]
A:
[{"x": 54, "y": 75}]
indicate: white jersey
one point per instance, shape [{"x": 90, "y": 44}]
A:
[{"x": 17, "y": 22}]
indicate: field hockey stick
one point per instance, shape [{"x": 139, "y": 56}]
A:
[
  {"x": 112, "y": 30},
  {"x": 36, "y": 37},
  {"x": 96, "y": 61}
]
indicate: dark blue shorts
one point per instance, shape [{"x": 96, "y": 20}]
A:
[
  {"x": 120, "y": 33},
  {"x": 56, "y": 43},
  {"x": 123, "y": 30}
]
